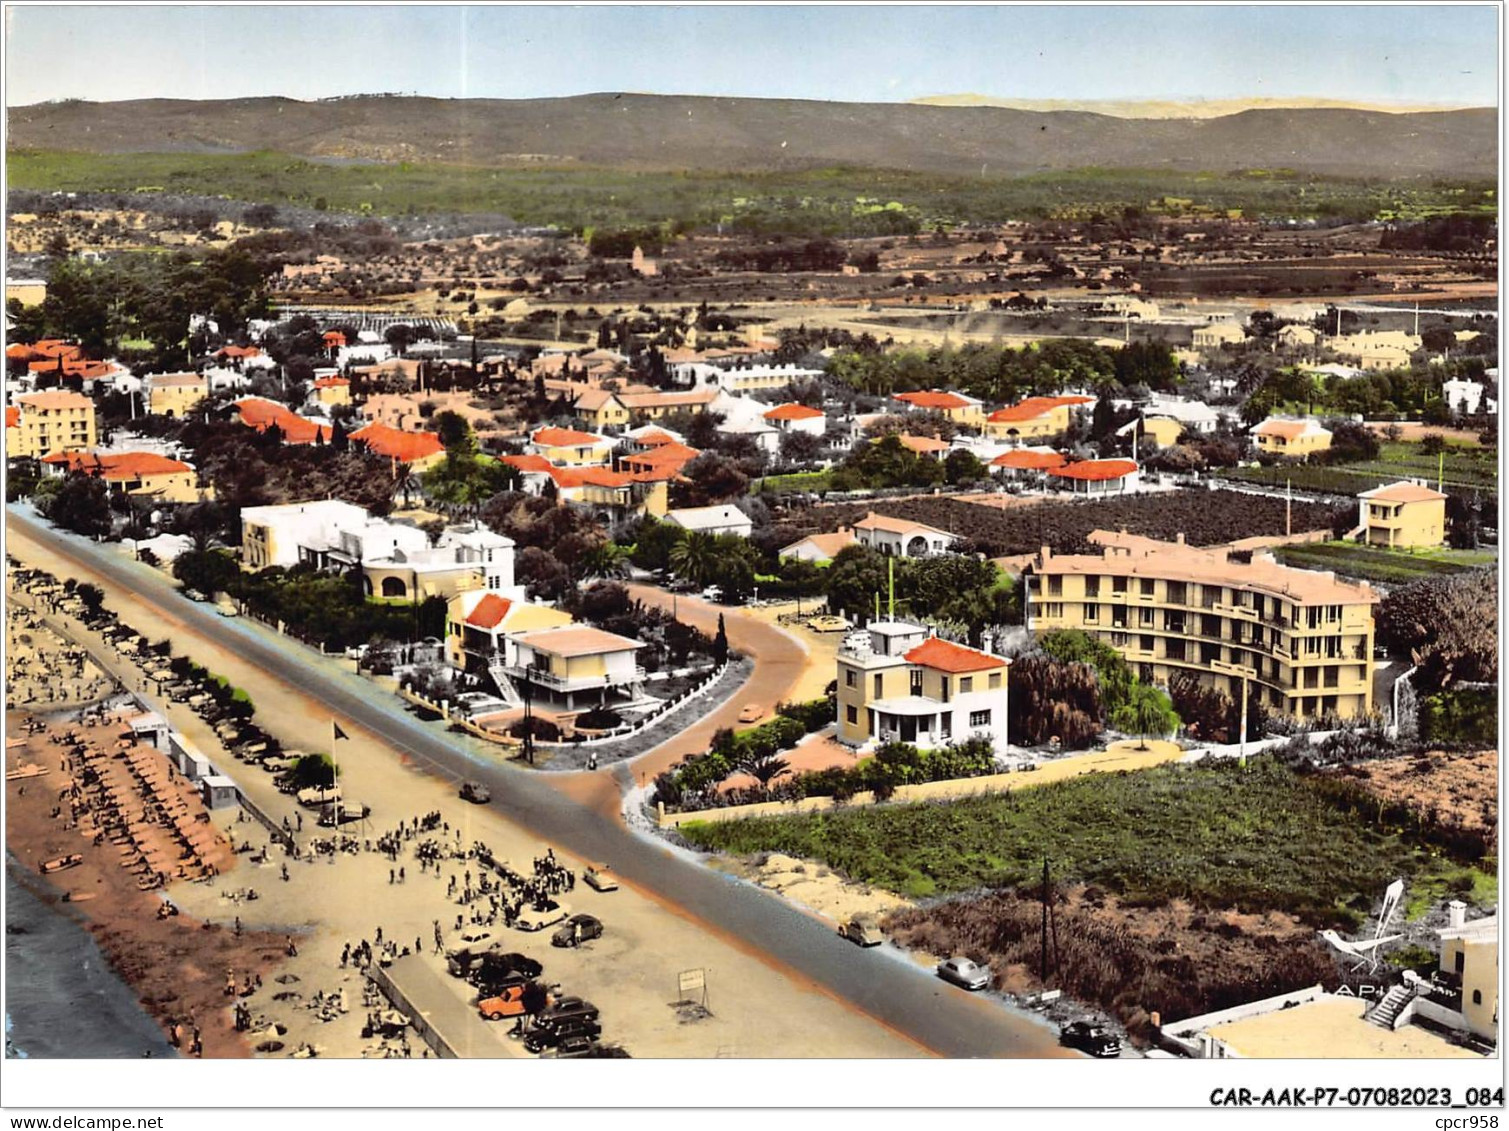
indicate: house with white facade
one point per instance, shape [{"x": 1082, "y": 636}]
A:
[
  {"x": 900, "y": 537},
  {"x": 725, "y": 518}
]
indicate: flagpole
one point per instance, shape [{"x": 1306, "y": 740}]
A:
[{"x": 335, "y": 782}]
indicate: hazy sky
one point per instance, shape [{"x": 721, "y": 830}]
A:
[{"x": 1427, "y": 53}]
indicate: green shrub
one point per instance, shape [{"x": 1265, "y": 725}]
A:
[{"x": 1462, "y": 716}]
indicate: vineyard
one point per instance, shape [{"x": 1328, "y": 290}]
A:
[
  {"x": 1387, "y": 567},
  {"x": 1204, "y": 518},
  {"x": 1464, "y": 472}
]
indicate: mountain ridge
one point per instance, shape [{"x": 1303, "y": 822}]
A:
[{"x": 685, "y": 132}]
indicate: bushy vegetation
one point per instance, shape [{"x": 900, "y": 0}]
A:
[
  {"x": 1376, "y": 563},
  {"x": 1448, "y": 625},
  {"x": 1264, "y": 838},
  {"x": 331, "y": 610},
  {"x": 1460, "y": 717},
  {"x": 946, "y": 590}
]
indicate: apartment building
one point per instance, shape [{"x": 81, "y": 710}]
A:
[
  {"x": 1402, "y": 515},
  {"x": 51, "y": 421},
  {"x": 897, "y": 682},
  {"x": 1302, "y": 639}
]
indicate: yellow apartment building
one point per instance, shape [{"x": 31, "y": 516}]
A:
[
  {"x": 1301, "y": 639},
  {"x": 142, "y": 474},
  {"x": 51, "y": 421},
  {"x": 1402, "y": 516},
  {"x": 1291, "y": 437},
  {"x": 1470, "y": 957},
  {"x": 176, "y": 394},
  {"x": 1035, "y": 418}
]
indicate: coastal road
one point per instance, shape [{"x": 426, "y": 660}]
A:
[{"x": 898, "y": 994}]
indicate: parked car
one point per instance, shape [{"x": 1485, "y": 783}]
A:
[
  {"x": 964, "y": 972},
  {"x": 538, "y": 1040},
  {"x": 475, "y": 792},
  {"x": 600, "y": 879},
  {"x": 578, "y": 1044},
  {"x": 751, "y": 712},
  {"x": 532, "y": 920},
  {"x": 577, "y": 930},
  {"x": 508, "y": 1003},
  {"x": 1087, "y": 1037},
  {"x": 861, "y": 930},
  {"x": 828, "y": 624}
]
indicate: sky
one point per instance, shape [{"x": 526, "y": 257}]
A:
[{"x": 1446, "y": 54}]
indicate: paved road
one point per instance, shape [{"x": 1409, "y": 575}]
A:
[{"x": 908, "y": 999}]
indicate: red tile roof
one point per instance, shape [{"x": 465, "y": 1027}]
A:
[
  {"x": 490, "y": 611},
  {"x": 563, "y": 438},
  {"x": 1096, "y": 470},
  {"x": 235, "y": 352},
  {"x": 334, "y": 338},
  {"x": 405, "y": 447},
  {"x": 922, "y": 445},
  {"x": 933, "y": 399},
  {"x": 671, "y": 458},
  {"x": 602, "y": 477},
  {"x": 330, "y": 382},
  {"x": 118, "y": 465},
  {"x": 564, "y": 477},
  {"x": 12, "y": 416},
  {"x": 946, "y": 656},
  {"x": 1404, "y": 493},
  {"x": 1030, "y": 461},
  {"x": 262, "y": 414},
  {"x": 1034, "y": 407},
  {"x": 793, "y": 412}
]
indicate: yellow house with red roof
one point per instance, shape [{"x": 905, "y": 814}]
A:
[
  {"x": 968, "y": 411},
  {"x": 898, "y": 682},
  {"x": 420, "y": 450},
  {"x": 51, "y": 421},
  {"x": 1291, "y": 437},
  {"x": 478, "y": 622},
  {"x": 569, "y": 447},
  {"x": 142, "y": 474},
  {"x": 1035, "y": 418}
]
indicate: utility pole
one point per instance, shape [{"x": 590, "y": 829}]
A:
[
  {"x": 1288, "y": 507},
  {"x": 1242, "y": 741}
]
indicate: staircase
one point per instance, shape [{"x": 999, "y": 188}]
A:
[
  {"x": 506, "y": 690},
  {"x": 1386, "y": 1013}
]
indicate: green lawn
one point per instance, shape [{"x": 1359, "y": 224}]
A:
[
  {"x": 796, "y": 481},
  {"x": 1465, "y": 470},
  {"x": 1375, "y": 563},
  {"x": 1256, "y": 839}
]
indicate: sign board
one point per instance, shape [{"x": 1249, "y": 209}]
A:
[{"x": 689, "y": 981}]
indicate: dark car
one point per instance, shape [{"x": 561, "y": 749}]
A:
[
  {"x": 475, "y": 792},
  {"x": 577, "y": 930},
  {"x": 540, "y": 1039},
  {"x": 567, "y": 1009},
  {"x": 1095, "y": 1040}
]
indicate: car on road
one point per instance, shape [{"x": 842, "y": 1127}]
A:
[
  {"x": 828, "y": 624},
  {"x": 194, "y": 595},
  {"x": 965, "y": 973},
  {"x": 1088, "y": 1037},
  {"x": 577, "y": 930},
  {"x": 600, "y": 879},
  {"x": 861, "y": 930},
  {"x": 532, "y": 919},
  {"x": 226, "y": 609},
  {"x": 475, "y": 792},
  {"x": 751, "y": 713}
]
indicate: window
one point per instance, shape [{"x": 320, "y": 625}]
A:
[
  {"x": 1174, "y": 649},
  {"x": 1055, "y": 586},
  {"x": 851, "y": 677},
  {"x": 1092, "y": 587},
  {"x": 1210, "y": 653},
  {"x": 853, "y": 715},
  {"x": 1146, "y": 585},
  {"x": 916, "y": 684},
  {"x": 1477, "y": 997},
  {"x": 979, "y": 718},
  {"x": 944, "y": 685},
  {"x": 1461, "y": 960},
  {"x": 1145, "y": 642},
  {"x": 1145, "y": 618},
  {"x": 1176, "y": 592},
  {"x": 1119, "y": 586},
  {"x": 879, "y": 686},
  {"x": 995, "y": 681},
  {"x": 1092, "y": 614},
  {"x": 966, "y": 684}
]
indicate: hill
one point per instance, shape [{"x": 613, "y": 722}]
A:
[
  {"x": 1180, "y": 107},
  {"x": 638, "y": 131}
]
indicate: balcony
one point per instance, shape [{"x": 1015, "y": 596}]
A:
[{"x": 545, "y": 678}]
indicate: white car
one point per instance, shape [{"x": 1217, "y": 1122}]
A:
[
  {"x": 531, "y": 920},
  {"x": 964, "y": 972}
]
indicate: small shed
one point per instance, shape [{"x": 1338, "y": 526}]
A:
[
  {"x": 150, "y": 728},
  {"x": 219, "y": 792}
]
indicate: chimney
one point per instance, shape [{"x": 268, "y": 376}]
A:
[{"x": 1457, "y": 910}]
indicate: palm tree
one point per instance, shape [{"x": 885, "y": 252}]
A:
[
  {"x": 695, "y": 557},
  {"x": 406, "y": 483},
  {"x": 606, "y": 560}
]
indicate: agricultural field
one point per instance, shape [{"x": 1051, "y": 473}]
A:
[
  {"x": 1261, "y": 839},
  {"x": 1204, "y": 520},
  {"x": 1384, "y": 566},
  {"x": 1465, "y": 471},
  {"x": 828, "y": 201},
  {"x": 1456, "y": 791}
]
